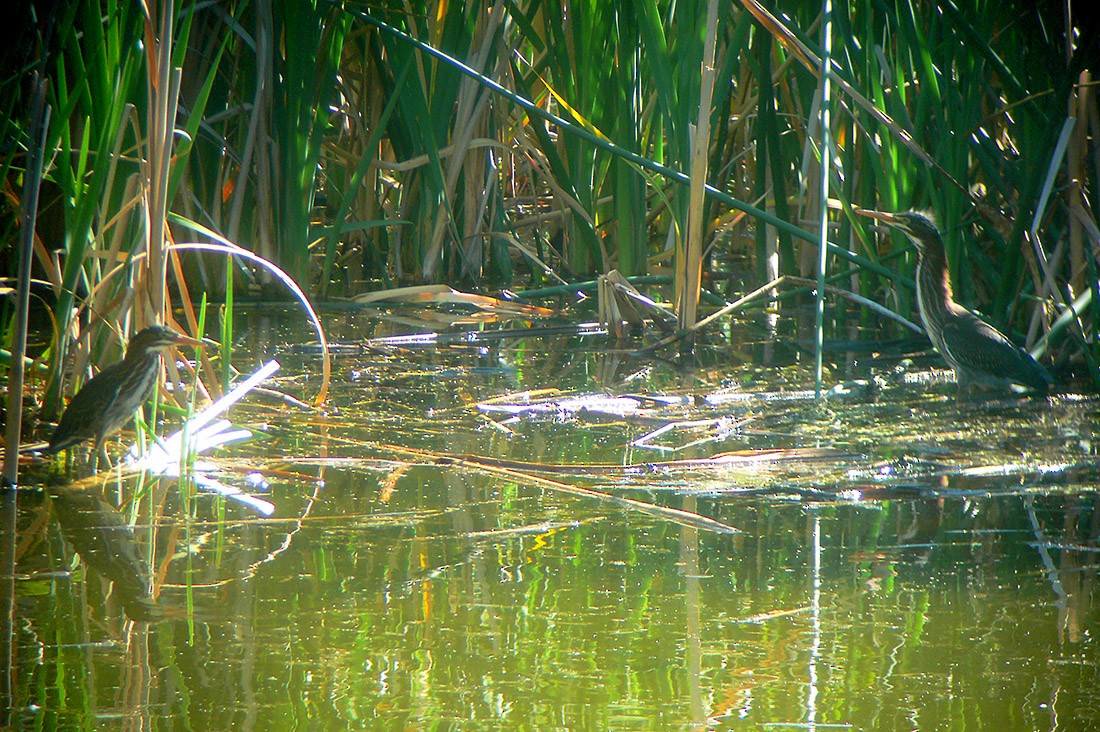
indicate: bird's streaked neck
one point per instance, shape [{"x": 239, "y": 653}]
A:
[
  {"x": 934, "y": 297},
  {"x": 933, "y": 279}
]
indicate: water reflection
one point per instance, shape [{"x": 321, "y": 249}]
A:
[
  {"x": 899, "y": 584},
  {"x": 105, "y": 541},
  {"x": 418, "y": 613}
]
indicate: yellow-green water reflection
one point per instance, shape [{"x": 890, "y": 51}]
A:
[{"x": 390, "y": 593}]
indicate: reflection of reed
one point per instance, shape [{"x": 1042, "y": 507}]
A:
[
  {"x": 1071, "y": 578},
  {"x": 1079, "y": 563},
  {"x": 105, "y": 542},
  {"x": 476, "y": 571},
  {"x": 136, "y": 688},
  {"x": 7, "y": 605},
  {"x": 689, "y": 567}
]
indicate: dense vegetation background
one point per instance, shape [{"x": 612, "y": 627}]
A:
[{"x": 515, "y": 144}]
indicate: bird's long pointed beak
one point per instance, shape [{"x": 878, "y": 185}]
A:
[
  {"x": 186, "y": 341},
  {"x": 883, "y": 216}
]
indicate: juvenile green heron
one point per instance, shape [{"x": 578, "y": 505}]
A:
[
  {"x": 108, "y": 401},
  {"x": 980, "y": 354}
]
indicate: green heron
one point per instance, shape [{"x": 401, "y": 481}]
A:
[
  {"x": 107, "y": 402},
  {"x": 980, "y": 354}
]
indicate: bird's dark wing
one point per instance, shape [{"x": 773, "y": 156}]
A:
[
  {"x": 83, "y": 416},
  {"x": 982, "y": 349}
]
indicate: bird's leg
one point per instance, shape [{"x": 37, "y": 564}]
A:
[
  {"x": 101, "y": 455},
  {"x": 963, "y": 384}
]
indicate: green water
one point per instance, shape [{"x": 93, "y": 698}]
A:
[{"x": 910, "y": 564}]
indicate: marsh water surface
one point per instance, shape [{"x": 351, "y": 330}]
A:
[{"x": 451, "y": 549}]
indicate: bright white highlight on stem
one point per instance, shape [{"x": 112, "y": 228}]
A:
[{"x": 164, "y": 457}]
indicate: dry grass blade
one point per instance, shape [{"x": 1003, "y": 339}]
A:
[
  {"x": 542, "y": 527},
  {"x": 675, "y": 515},
  {"x": 863, "y": 302},
  {"x": 765, "y": 290},
  {"x": 489, "y": 467},
  {"x": 619, "y": 304},
  {"x": 726, "y": 459},
  {"x": 443, "y": 294}
]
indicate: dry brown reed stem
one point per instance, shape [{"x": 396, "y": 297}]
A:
[{"x": 690, "y": 274}]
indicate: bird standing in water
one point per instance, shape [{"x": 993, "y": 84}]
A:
[
  {"x": 107, "y": 402},
  {"x": 980, "y": 354}
]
